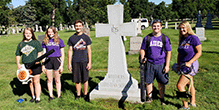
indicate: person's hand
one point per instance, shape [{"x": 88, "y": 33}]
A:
[
  {"x": 88, "y": 66},
  {"x": 143, "y": 60},
  {"x": 44, "y": 69},
  {"x": 37, "y": 63},
  {"x": 18, "y": 66},
  {"x": 188, "y": 64},
  {"x": 166, "y": 69},
  {"x": 60, "y": 69},
  {"x": 70, "y": 67}
]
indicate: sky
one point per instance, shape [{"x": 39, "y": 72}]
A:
[{"x": 17, "y": 3}]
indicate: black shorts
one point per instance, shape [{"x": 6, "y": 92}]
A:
[
  {"x": 79, "y": 72},
  {"x": 52, "y": 63},
  {"x": 36, "y": 69}
]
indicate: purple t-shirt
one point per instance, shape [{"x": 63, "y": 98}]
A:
[
  {"x": 51, "y": 45},
  {"x": 155, "y": 49},
  {"x": 187, "y": 46}
]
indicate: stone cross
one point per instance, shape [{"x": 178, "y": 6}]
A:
[
  {"x": 60, "y": 27},
  {"x": 41, "y": 29},
  {"x": 118, "y": 83},
  {"x": 139, "y": 25},
  {"x": 208, "y": 23},
  {"x": 37, "y": 30}
]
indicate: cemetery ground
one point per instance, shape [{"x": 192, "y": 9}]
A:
[{"x": 206, "y": 80}]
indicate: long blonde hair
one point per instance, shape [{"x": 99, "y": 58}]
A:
[
  {"x": 188, "y": 28},
  {"x": 55, "y": 37}
]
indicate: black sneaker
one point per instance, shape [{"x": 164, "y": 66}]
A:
[
  {"x": 77, "y": 97},
  {"x": 86, "y": 98},
  {"x": 37, "y": 101},
  {"x": 149, "y": 100},
  {"x": 32, "y": 100},
  {"x": 162, "y": 102},
  {"x": 50, "y": 99}
]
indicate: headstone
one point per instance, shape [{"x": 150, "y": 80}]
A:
[
  {"x": 47, "y": 26},
  {"x": 37, "y": 30},
  {"x": 13, "y": 31},
  {"x": 41, "y": 29},
  {"x": 175, "y": 26},
  {"x": 118, "y": 83},
  {"x": 40, "y": 38},
  {"x": 57, "y": 29},
  {"x": 17, "y": 30},
  {"x": 199, "y": 22},
  {"x": 60, "y": 27},
  {"x": 135, "y": 45},
  {"x": 166, "y": 25},
  {"x": 200, "y": 32},
  {"x": 8, "y": 32},
  {"x": 209, "y": 24},
  {"x": 139, "y": 25},
  {"x": 73, "y": 27},
  {"x": 86, "y": 31}
]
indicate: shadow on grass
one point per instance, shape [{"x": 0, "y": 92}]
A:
[
  {"x": 93, "y": 84},
  {"x": 18, "y": 88},
  {"x": 210, "y": 52},
  {"x": 65, "y": 85}
]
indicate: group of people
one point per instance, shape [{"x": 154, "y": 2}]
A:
[
  {"x": 156, "y": 48},
  {"x": 79, "y": 59}
]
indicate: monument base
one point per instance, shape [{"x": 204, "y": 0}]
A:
[
  {"x": 132, "y": 52},
  {"x": 121, "y": 88},
  {"x": 202, "y": 38}
]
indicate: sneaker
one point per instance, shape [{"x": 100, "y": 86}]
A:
[
  {"x": 77, "y": 97},
  {"x": 184, "y": 108},
  {"x": 59, "y": 97},
  {"x": 162, "y": 102},
  {"x": 149, "y": 100},
  {"x": 32, "y": 100},
  {"x": 86, "y": 98},
  {"x": 193, "y": 105},
  {"x": 37, "y": 101},
  {"x": 50, "y": 99}
]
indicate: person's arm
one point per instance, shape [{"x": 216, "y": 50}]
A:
[
  {"x": 69, "y": 58},
  {"x": 62, "y": 59},
  {"x": 38, "y": 55},
  {"x": 18, "y": 58},
  {"x": 43, "y": 66},
  {"x": 142, "y": 54},
  {"x": 198, "y": 48},
  {"x": 167, "y": 66},
  {"x": 89, "y": 57}
]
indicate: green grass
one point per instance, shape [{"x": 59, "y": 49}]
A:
[{"x": 206, "y": 85}]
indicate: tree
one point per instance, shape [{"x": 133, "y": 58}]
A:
[
  {"x": 139, "y": 6},
  {"x": 160, "y": 11},
  {"x": 4, "y": 12},
  {"x": 127, "y": 10}
]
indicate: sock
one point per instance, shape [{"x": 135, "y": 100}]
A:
[
  {"x": 33, "y": 97},
  {"x": 38, "y": 99}
]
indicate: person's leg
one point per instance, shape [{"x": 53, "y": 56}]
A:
[
  {"x": 161, "y": 88},
  {"x": 58, "y": 82},
  {"x": 37, "y": 86},
  {"x": 85, "y": 86},
  {"x": 78, "y": 88},
  {"x": 50, "y": 82},
  {"x": 192, "y": 91},
  {"x": 183, "y": 81},
  {"x": 32, "y": 90},
  {"x": 149, "y": 89}
]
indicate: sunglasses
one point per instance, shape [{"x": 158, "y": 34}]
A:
[{"x": 156, "y": 21}]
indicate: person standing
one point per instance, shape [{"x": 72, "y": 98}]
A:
[
  {"x": 79, "y": 63},
  {"x": 156, "y": 48},
  {"x": 29, "y": 48},
  {"x": 55, "y": 61},
  {"x": 189, "y": 50}
]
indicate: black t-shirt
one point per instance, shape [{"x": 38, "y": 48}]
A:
[{"x": 79, "y": 45}]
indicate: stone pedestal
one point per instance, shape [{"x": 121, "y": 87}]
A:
[
  {"x": 200, "y": 32},
  {"x": 135, "y": 45}
]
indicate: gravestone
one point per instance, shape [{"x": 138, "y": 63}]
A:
[
  {"x": 139, "y": 25},
  {"x": 37, "y": 30},
  {"x": 209, "y": 24},
  {"x": 40, "y": 38},
  {"x": 200, "y": 32},
  {"x": 60, "y": 27},
  {"x": 175, "y": 26},
  {"x": 135, "y": 45},
  {"x": 17, "y": 30},
  {"x": 199, "y": 22},
  {"x": 13, "y": 31},
  {"x": 57, "y": 29},
  {"x": 8, "y": 31},
  {"x": 166, "y": 25},
  {"x": 118, "y": 83},
  {"x": 47, "y": 26},
  {"x": 41, "y": 29}
]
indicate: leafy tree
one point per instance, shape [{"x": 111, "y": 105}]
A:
[
  {"x": 160, "y": 11},
  {"x": 138, "y": 6},
  {"x": 127, "y": 10},
  {"x": 4, "y": 12}
]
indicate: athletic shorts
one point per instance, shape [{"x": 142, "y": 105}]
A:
[
  {"x": 155, "y": 71},
  {"x": 195, "y": 66},
  {"x": 36, "y": 69},
  {"x": 52, "y": 63},
  {"x": 79, "y": 72}
]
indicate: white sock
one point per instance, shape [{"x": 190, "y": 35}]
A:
[
  {"x": 33, "y": 97},
  {"x": 38, "y": 99}
]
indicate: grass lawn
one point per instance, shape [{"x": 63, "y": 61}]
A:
[{"x": 206, "y": 85}]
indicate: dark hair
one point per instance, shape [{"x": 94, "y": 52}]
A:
[
  {"x": 78, "y": 21},
  {"x": 31, "y": 30},
  {"x": 157, "y": 21}
]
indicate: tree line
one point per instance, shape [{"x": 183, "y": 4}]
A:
[{"x": 54, "y": 12}]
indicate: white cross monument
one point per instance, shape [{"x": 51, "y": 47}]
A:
[{"x": 118, "y": 83}]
